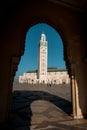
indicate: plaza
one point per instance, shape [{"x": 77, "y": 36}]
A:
[{"x": 42, "y": 107}]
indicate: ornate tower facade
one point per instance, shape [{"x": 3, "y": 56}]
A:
[{"x": 42, "y": 59}]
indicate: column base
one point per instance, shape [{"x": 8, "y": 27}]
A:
[{"x": 77, "y": 116}]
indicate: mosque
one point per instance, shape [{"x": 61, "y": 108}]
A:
[{"x": 44, "y": 75}]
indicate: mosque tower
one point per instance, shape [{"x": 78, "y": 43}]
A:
[{"x": 42, "y": 59}]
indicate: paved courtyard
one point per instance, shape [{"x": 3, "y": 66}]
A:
[{"x": 43, "y": 107}]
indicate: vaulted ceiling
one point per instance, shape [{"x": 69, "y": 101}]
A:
[
  {"x": 8, "y": 7},
  {"x": 81, "y": 5}
]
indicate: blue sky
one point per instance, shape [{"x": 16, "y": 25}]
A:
[{"x": 29, "y": 61}]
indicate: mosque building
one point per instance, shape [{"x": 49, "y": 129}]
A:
[{"x": 44, "y": 75}]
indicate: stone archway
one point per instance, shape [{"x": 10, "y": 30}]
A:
[{"x": 68, "y": 23}]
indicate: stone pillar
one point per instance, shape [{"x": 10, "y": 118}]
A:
[
  {"x": 77, "y": 113},
  {"x": 13, "y": 68},
  {"x": 4, "y": 89},
  {"x": 7, "y": 70}
]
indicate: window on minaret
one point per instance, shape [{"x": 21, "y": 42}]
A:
[{"x": 43, "y": 38}]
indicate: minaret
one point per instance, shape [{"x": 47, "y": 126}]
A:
[{"x": 42, "y": 60}]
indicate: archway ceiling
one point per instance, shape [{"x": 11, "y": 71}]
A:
[
  {"x": 7, "y": 6},
  {"x": 81, "y": 5}
]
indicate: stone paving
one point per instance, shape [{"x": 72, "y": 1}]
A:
[{"x": 42, "y": 107}]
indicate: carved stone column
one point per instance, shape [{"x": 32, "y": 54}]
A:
[{"x": 77, "y": 113}]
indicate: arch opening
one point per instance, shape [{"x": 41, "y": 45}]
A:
[
  {"x": 69, "y": 64},
  {"x": 54, "y": 41},
  {"x": 69, "y": 22},
  {"x": 54, "y": 82}
]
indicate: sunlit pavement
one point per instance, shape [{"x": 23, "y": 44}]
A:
[{"x": 42, "y": 107}]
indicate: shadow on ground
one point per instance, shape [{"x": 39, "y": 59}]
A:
[{"x": 21, "y": 112}]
